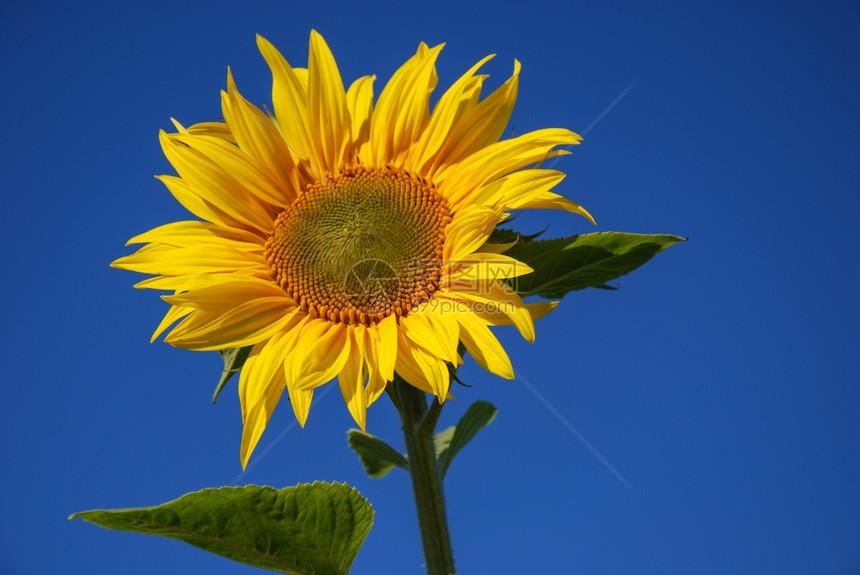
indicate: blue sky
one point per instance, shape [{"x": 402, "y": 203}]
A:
[{"x": 721, "y": 380}]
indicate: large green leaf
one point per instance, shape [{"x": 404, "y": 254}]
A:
[
  {"x": 377, "y": 456},
  {"x": 578, "y": 262},
  {"x": 450, "y": 441},
  {"x": 312, "y": 529},
  {"x": 234, "y": 358}
]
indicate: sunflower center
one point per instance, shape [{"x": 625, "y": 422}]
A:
[{"x": 361, "y": 245}]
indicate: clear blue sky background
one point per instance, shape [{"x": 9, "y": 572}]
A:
[{"x": 721, "y": 380}]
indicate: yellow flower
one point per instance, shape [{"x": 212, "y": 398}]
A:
[{"x": 346, "y": 239}]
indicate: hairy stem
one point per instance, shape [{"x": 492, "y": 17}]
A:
[{"x": 419, "y": 424}]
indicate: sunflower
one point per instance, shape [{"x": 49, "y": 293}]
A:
[{"x": 346, "y": 239}]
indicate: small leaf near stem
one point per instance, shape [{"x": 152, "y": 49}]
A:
[
  {"x": 452, "y": 440},
  {"x": 377, "y": 456}
]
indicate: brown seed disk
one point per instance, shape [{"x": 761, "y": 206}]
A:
[{"x": 360, "y": 245}]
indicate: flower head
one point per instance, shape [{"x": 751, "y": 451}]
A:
[{"x": 346, "y": 239}]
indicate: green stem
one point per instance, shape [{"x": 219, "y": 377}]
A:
[{"x": 419, "y": 423}]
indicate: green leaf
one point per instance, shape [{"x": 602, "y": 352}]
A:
[
  {"x": 312, "y": 529},
  {"x": 442, "y": 441},
  {"x": 377, "y": 456},
  {"x": 452, "y": 440},
  {"x": 506, "y": 236},
  {"x": 234, "y": 359},
  {"x": 578, "y": 262}
]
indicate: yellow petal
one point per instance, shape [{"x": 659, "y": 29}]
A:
[
  {"x": 384, "y": 336},
  {"x": 373, "y": 344},
  {"x": 469, "y": 230},
  {"x": 451, "y": 105},
  {"x": 509, "y": 190},
  {"x": 198, "y": 259},
  {"x": 194, "y": 202},
  {"x": 193, "y": 232},
  {"x": 375, "y": 388},
  {"x": 359, "y": 101},
  {"x": 216, "y": 129},
  {"x": 483, "y": 345},
  {"x": 259, "y": 138},
  {"x": 301, "y": 400},
  {"x": 262, "y": 380},
  {"x": 227, "y": 294},
  {"x": 259, "y": 395},
  {"x": 540, "y": 309},
  {"x": 239, "y": 169},
  {"x": 289, "y": 98},
  {"x": 328, "y": 117},
  {"x": 437, "y": 333},
  {"x": 246, "y": 324},
  {"x": 526, "y": 189},
  {"x": 351, "y": 379},
  {"x": 551, "y": 201},
  {"x": 481, "y": 266},
  {"x": 401, "y": 112},
  {"x": 422, "y": 368},
  {"x": 172, "y": 316},
  {"x": 408, "y": 368},
  {"x": 266, "y": 398},
  {"x": 184, "y": 283},
  {"x": 320, "y": 354},
  {"x": 268, "y": 362},
  {"x": 254, "y": 377},
  {"x": 214, "y": 184},
  {"x": 480, "y": 124},
  {"x": 494, "y": 300},
  {"x": 460, "y": 180}
]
